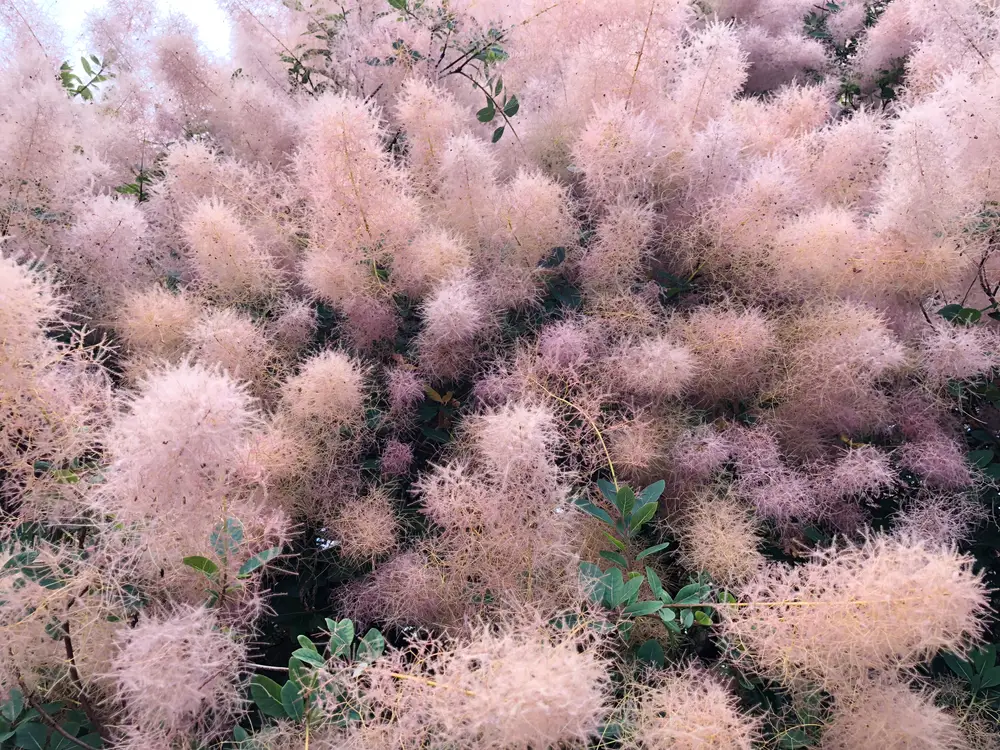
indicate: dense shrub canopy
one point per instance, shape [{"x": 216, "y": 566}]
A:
[{"x": 501, "y": 374}]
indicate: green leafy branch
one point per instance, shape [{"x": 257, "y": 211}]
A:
[
  {"x": 225, "y": 541},
  {"x": 75, "y": 86},
  {"x": 297, "y": 698},
  {"x": 618, "y": 587}
]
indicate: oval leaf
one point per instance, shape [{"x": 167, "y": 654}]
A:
[
  {"x": 257, "y": 561},
  {"x": 202, "y": 564},
  {"x": 640, "y": 609},
  {"x": 371, "y": 646},
  {"x": 341, "y": 636},
  {"x": 651, "y": 652},
  {"x": 31, "y": 736},
  {"x": 486, "y": 114},
  {"x": 652, "y": 550},
  {"x": 497, "y": 134},
  {"x": 652, "y": 493},
  {"x": 266, "y": 693},
  {"x": 291, "y": 701},
  {"x": 308, "y": 657},
  {"x": 511, "y": 107},
  {"x": 607, "y": 489},
  {"x": 641, "y": 515},
  {"x": 592, "y": 510},
  {"x": 615, "y": 558}
]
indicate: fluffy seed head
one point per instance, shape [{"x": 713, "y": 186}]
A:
[
  {"x": 889, "y": 714},
  {"x": 327, "y": 392},
  {"x": 177, "y": 438},
  {"x": 615, "y": 257},
  {"x": 617, "y": 153},
  {"x": 657, "y": 368},
  {"x": 886, "y": 604},
  {"x": 564, "y": 346},
  {"x": 735, "y": 350},
  {"x": 404, "y": 389},
  {"x": 366, "y": 527},
  {"x": 396, "y": 458},
  {"x": 534, "y": 218},
  {"x": 719, "y": 535},
  {"x": 228, "y": 263},
  {"x": 939, "y": 461},
  {"x": 515, "y": 437},
  {"x": 455, "y": 315},
  {"x": 691, "y": 710},
  {"x": 519, "y": 690},
  {"x": 232, "y": 341},
  {"x": 155, "y": 323},
  {"x": 432, "y": 256},
  {"x": 959, "y": 352},
  {"x": 179, "y": 672}
]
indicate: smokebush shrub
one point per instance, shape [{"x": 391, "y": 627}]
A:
[{"x": 509, "y": 374}]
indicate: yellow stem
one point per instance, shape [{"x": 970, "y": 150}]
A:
[{"x": 590, "y": 421}]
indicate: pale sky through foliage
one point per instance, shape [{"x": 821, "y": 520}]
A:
[{"x": 211, "y": 21}]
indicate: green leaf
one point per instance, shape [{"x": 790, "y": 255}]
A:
[
  {"x": 11, "y": 708},
  {"x": 240, "y": 734},
  {"x": 594, "y": 581},
  {"x": 687, "y": 618},
  {"x": 629, "y": 590},
  {"x": 960, "y": 315},
  {"x": 794, "y": 738},
  {"x": 497, "y": 134},
  {"x": 652, "y": 550},
  {"x": 592, "y": 510},
  {"x": 614, "y": 540},
  {"x": 511, "y": 107},
  {"x": 609, "y": 491},
  {"x": 257, "y": 561},
  {"x": 651, "y": 652},
  {"x": 499, "y": 87},
  {"x": 702, "y": 619},
  {"x": 306, "y": 643},
  {"x": 31, "y": 736},
  {"x": 557, "y": 256},
  {"x": 308, "y": 657},
  {"x": 227, "y": 535},
  {"x": 614, "y": 583},
  {"x": 266, "y": 693},
  {"x": 398, "y": 4},
  {"x": 341, "y": 636},
  {"x": 641, "y": 515},
  {"x": 291, "y": 701},
  {"x": 487, "y": 113},
  {"x": 625, "y": 628},
  {"x": 625, "y": 500},
  {"x": 640, "y": 609},
  {"x": 92, "y": 740},
  {"x": 202, "y": 564},
  {"x": 668, "y": 615},
  {"x": 980, "y": 458},
  {"x": 991, "y": 678},
  {"x": 654, "y": 582},
  {"x": 86, "y": 66},
  {"x": 615, "y": 558},
  {"x": 652, "y": 493},
  {"x": 985, "y": 658},
  {"x": 86, "y": 94},
  {"x": 371, "y": 647},
  {"x": 693, "y": 592}
]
